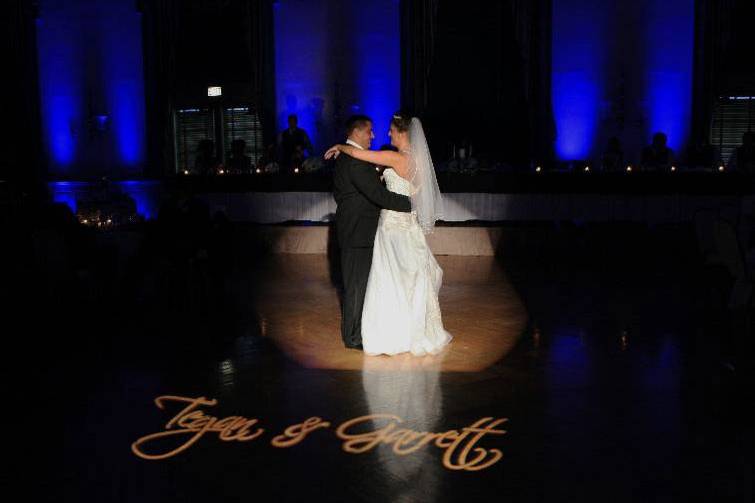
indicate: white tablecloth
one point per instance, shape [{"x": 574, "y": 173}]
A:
[{"x": 278, "y": 207}]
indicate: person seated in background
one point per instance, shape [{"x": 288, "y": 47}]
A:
[
  {"x": 294, "y": 144},
  {"x": 205, "y": 162},
  {"x": 239, "y": 161},
  {"x": 657, "y": 155},
  {"x": 743, "y": 158},
  {"x": 613, "y": 157}
]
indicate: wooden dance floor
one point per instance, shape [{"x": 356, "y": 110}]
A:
[
  {"x": 300, "y": 311},
  {"x": 580, "y": 370}
]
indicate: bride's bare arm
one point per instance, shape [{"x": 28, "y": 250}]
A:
[{"x": 395, "y": 160}]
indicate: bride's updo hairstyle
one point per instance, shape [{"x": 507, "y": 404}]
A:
[{"x": 401, "y": 121}]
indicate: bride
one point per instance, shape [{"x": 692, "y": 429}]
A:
[{"x": 401, "y": 311}]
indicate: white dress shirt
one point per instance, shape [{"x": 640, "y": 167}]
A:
[{"x": 354, "y": 144}]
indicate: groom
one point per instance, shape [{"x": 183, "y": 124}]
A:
[{"x": 359, "y": 195}]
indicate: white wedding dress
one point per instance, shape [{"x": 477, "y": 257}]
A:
[{"x": 401, "y": 311}]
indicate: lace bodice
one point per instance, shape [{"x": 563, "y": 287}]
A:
[
  {"x": 396, "y": 219},
  {"x": 395, "y": 183}
]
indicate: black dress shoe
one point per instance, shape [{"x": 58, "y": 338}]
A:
[{"x": 355, "y": 346}]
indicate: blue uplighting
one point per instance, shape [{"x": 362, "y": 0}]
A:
[
  {"x": 91, "y": 78},
  {"x": 575, "y": 111},
  {"x": 128, "y": 123},
  {"x": 145, "y": 193},
  {"x": 67, "y": 192},
  {"x": 303, "y": 76},
  {"x": 620, "y": 69},
  {"x": 378, "y": 62},
  {"x": 334, "y": 59},
  {"x": 670, "y": 44},
  {"x": 577, "y": 80},
  {"x": 123, "y": 67},
  {"x": 59, "y": 83}
]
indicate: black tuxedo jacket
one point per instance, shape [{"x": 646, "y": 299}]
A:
[{"x": 360, "y": 195}]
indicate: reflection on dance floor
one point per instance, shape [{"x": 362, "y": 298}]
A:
[{"x": 414, "y": 395}]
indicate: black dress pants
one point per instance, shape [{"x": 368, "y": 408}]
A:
[{"x": 355, "y": 268}]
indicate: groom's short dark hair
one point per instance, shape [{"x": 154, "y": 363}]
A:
[{"x": 356, "y": 122}]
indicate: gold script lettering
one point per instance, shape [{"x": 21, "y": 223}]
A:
[
  {"x": 194, "y": 423},
  {"x": 296, "y": 433},
  {"x": 363, "y": 442},
  {"x": 461, "y": 451},
  {"x": 457, "y": 445},
  {"x": 479, "y": 462}
]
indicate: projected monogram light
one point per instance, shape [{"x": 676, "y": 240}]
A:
[{"x": 460, "y": 450}]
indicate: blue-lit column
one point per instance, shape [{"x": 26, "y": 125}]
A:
[
  {"x": 377, "y": 59},
  {"x": 60, "y": 80},
  {"x": 621, "y": 69},
  {"x": 304, "y": 65},
  {"x": 91, "y": 86},
  {"x": 123, "y": 67},
  {"x": 668, "y": 54},
  {"x": 334, "y": 58},
  {"x": 578, "y": 67}
]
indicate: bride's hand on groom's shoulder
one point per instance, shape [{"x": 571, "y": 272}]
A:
[{"x": 332, "y": 152}]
